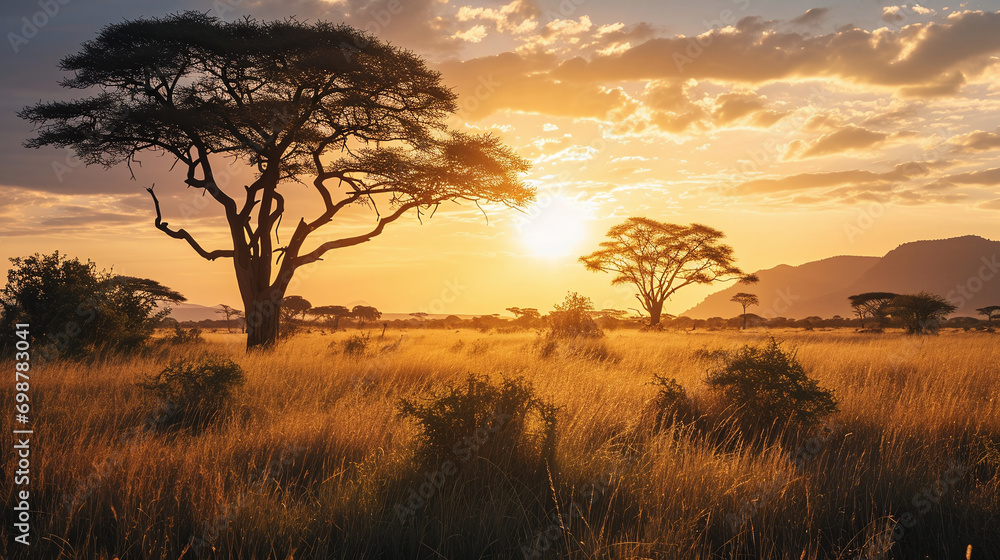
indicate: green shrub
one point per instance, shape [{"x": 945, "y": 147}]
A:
[
  {"x": 356, "y": 344},
  {"x": 76, "y": 310},
  {"x": 505, "y": 423},
  {"x": 195, "y": 391},
  {"x": 672, "y": 404},
  {"x": 188, "y": 336},
  {"x": 765, "y": 384},
  {"x": 573, "y": 318}
]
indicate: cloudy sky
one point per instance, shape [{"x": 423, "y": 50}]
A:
[{"x": 802, "y": 130}]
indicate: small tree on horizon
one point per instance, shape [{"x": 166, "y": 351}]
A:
[
  {"x": 659, "y": 259},
  {"x": 331, "y": 313},
  {"x": 745, "y": 300},
  {"x": 229, "y": 313},
  {"x": 294, "y": 305},
  {"x": 365, "y": 313},
  {"x": 872, "y": 304},
  {"x": 990, "y": 312}
]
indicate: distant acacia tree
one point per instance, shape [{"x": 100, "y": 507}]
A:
[
  {"x": 365, "y": 313},
  {"x": 872, "y": 304},
  {"x": 364, "y": 120},
  {"x": 294, "y": 305},
  {"x": 990, "y": 312},
  {"x": 331, "y": 313},
  {"x": 525, "y": 316},
  {"x": 74, "y": 308},
  {"x": 229, "y": 312},
  {"x": 659, "y": 259},
  {"x": 745, "y": 300},
  {"x": 921, "y": 312}
]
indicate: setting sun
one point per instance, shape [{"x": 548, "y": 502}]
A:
[{"x": 554, "y": 228}]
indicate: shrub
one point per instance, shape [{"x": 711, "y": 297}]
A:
[
  {"x": 591, "y": 349},
  {"x": 672, "y": 403},
  {"x": 765, "y": 384},
  {"x": 182, "y": 336},
  {"x": 505, "y": 423},
  {"x": 357, "y": 344},
  {"x": 195, "y": 391},
  {"x": 573, "y": 318},
  {"x": 75, "y": 309}
]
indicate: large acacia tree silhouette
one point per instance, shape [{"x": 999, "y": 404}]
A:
[{"x": 359, "y": 119}]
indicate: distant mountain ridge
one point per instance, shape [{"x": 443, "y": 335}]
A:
[{"x": 965, "y": 270}]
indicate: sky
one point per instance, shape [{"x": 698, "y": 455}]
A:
[{"x": 800, "y": 129}]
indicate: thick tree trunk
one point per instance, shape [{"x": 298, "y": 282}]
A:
[
  {"x": 263, "y": 313},
  {"x": 655, "y": 310}
]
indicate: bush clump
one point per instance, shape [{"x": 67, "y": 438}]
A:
[
  {"x": 356, "y": 344},
  {"x": 506, "y": 423},
  {"x": 186, "y": 336},
  {"x": 765, "y": 384},
  {"x": 672, "y": 404},
  {"x": 574, "y": 318},
  {"x": 195, "y": 391}
]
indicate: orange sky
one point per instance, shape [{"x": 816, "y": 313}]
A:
[{"x": 845, "y": 129}]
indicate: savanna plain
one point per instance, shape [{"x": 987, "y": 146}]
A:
[{"x": 314, "y": 457}]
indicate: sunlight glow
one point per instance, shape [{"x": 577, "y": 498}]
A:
[{"x": 554, "y": 227}]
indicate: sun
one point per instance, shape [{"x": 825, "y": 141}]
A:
[{"x": 554, "y": 227}]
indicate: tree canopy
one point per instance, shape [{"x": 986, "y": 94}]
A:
[
  {"x": 358, "y": 120},
  {"x": 921, "y": 312},
  {"x": 872, "y": 304},
  {"x": 659, "y": 259},
  {"x": 745, "y": 300}
]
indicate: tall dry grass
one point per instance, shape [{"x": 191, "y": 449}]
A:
[{"x": 312, "y": 460}]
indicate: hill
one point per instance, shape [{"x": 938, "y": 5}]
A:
[{"x": 965, "y": 270}]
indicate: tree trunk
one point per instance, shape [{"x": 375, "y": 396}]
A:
[
  {"x": 262, "y": 322},
  {"x": 655, "y": 310}
]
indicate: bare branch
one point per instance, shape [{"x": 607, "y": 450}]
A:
[{"x": 183, "y": 234}]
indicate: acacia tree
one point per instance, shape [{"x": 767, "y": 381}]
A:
[
  {"x": 365, "y": 313},
  {"x": 659, "y": 259},
  {"x": 335, "y": 311},
  {"x": 362, "y": 121},
  {"x": 872, "y": 304},
  {"x": 921, "y": 312},
  {"x": 990, "y": 312},
  {"x": 745, "y": 300},
  {"x": 294, "y": 305},
  {"x": 229, "y": 313}
]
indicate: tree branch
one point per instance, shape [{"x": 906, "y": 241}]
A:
[{"x": 183, "y": 234}]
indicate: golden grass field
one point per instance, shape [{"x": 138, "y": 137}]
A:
[{"x": 312, "y": 457}]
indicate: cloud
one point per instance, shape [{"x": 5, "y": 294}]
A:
[
  {"x": 991, "y": 204},
  {"x": 845, "y": 139},
  {"x": 732, "y": 107},
  {"x": 977, "y": 141},
  {"x": 516, "y": 82},
  {"x": 474, "y": 34},
  {"x": 812, "y": 18},
  {"x": 985, "y": 177},
  {"x": 921, "y": 60},
  {"x": 517, "y": 17},
  {"x": 805, "y": 181}
]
